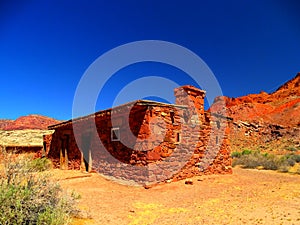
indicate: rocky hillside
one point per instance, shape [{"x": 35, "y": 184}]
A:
[
  {"x": 280, "y": 107},
  {"x": 28, "y": 122},
  {"x": 265, "y": 121},
  {"x": 4, "y": 123}
]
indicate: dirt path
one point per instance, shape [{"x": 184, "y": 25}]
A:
[{"x": 246, "y": 197}]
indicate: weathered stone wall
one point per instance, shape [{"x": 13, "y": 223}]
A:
[
  {"x": 154, "y": 142},
  {"x": 212, "y": 151},
  {"x": 55, "y": 145}
]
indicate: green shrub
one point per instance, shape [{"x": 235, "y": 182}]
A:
[
  {"x": 246, "y": 152},
  {"x": 236, "y": 154},
  {"x": 292, "y": 148},
  {"x": 296, "y": 158},
  {"x": 51, "y": 216},
  {"x": 239, "y": 154},
  {"x": 40, "y": 164},
  {"x": 28, "y": 197},
  {"x": 291, "y": 159}
]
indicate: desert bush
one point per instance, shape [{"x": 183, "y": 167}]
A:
[
  {"x": 295, "y": 157},
  {"x": 27, "y": 197},
  {"x": 255, "y": 159},
  {"x": 267, "y": 161},
  {"x": 40, "y": 164},
  {"x": 292, "y": 148},
  {"x": 291, "y": 159}
]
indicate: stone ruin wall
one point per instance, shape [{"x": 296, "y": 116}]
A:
[
  {"x": 202, "y": 148},
  {"x": 212, "y": 152}
]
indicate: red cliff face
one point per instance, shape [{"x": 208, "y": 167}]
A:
[
  {"x": 265, "y": 122},
  {"x": 28, "y": 122},
  {"x": 280, "y": 107}
]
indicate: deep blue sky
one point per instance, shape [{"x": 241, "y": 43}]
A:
[{"x": 46, "y": 46}]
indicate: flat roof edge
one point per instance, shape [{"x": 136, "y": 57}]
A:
[{"x": 137, "y": 102}]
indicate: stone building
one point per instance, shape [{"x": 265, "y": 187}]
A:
[
  {"x": 145, "y": 142},
  {"x": 23, "y": 141}
]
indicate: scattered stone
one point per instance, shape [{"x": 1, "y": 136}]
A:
[{"x": 190, "y": 182}]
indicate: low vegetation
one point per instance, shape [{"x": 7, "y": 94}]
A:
[
  {"x": 256, "y": 159},
  {"x": 40, "y": 164},
  {"x": 29, "y": 197}
]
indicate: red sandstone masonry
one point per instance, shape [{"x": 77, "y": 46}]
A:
[{"x": 169, "y": 142}]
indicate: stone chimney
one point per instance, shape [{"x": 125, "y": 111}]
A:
[{"x": 192, "y": 97}]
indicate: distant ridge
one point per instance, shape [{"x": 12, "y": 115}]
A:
[
  {"x": 28, "y": 122},
  {"x": 4, "y": 123}
]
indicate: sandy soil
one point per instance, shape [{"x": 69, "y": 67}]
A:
[{"x": 245, "y": 197}]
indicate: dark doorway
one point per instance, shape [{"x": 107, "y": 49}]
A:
[
  {"x": 85, "y": 148},
  {"x": 64, "y": 152}
]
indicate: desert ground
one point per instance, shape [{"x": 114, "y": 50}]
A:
[{"x": 245, "y": 197}]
